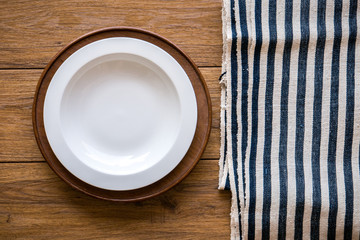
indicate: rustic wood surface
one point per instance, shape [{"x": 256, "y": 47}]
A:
[{"x": 34, "y": 202}]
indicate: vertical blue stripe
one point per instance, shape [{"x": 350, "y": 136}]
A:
[
  {"x": 268, "y": 121},
  {"x": 244, "y": 86},
  {"x": 234, "y": 89},
  {"x": 317, "y": 108},
  {"x": 254, "y": 116},
  {"x": 300, "y": 117},
  {"x": 334, "y": 102},
  {"x": 227, "y": 181},
  {"x": 349, "y": 127},
  {"x": 283, "y": 178}
]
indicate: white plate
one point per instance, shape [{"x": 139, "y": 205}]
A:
[{"x": 120, "y": 113}]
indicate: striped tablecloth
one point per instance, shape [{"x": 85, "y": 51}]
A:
[{"x": 290, "y": 119}]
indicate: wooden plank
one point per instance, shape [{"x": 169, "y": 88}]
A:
[
  {"x": 17, "y": 88},
  {"x": 36, "y": 204},
  {"x": 32, "y": 32},
  {"x": 17, "y": 141}
]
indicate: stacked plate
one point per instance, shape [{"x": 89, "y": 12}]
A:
[{"x": 121, "y": 114}]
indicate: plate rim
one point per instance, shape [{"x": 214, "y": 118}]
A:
[{"x": 195, "y": 150}]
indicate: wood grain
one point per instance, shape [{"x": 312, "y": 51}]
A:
[
  {"x": 17, "y": 88},
  {"x": 44, "y": 207},
  {"x": 34, "y": 202},
  {"x": 44, "y": 27}
]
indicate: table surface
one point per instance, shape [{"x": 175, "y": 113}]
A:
[{"x": 34, "y": 202}]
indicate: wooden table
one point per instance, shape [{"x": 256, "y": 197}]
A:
[{"x": 34, "y": 202}]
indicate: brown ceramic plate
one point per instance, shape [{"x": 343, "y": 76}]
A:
[{"x": 193, "y": 153}]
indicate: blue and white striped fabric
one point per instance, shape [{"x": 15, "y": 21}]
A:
[{"x": 290, "y": 118}]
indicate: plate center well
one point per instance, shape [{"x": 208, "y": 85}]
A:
[{"x": 118, "y": 113}]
